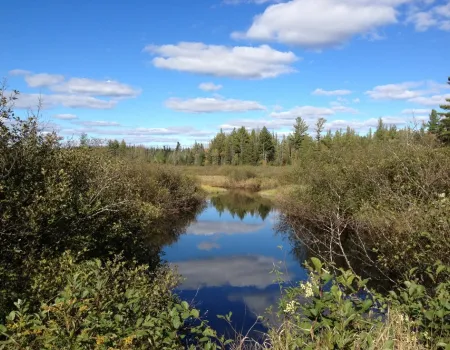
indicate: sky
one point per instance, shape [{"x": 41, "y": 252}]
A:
[{"x": 157, "y": 72}]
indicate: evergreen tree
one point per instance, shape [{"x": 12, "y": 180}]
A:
[
  {"x": 267, "y": 146},
  {"x": 444, "y": 124},
  {"x": 381, "y": 132},
  {"x": 433, "y": 122},
  {"x": 319, "y": 129}
]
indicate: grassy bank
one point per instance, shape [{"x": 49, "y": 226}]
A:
[{"x": 264, "y": 179}]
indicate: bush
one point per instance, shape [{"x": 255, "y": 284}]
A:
[
  {"x": 339, "y": 311},
  {"x": 112, "y": 305},
  {"x": 380, "y": 208},
  {"x": 56, "y": 196}
]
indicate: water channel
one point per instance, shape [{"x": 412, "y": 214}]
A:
[{"x": 227, "y": 258}]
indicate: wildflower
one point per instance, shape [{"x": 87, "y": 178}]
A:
[
  {"x": 291, "y": 307},
  {"x": 128, "y": 340},
  {"x": 307, "y": 289},
  {"x": 82, "y": 308},
  {"x": 100, "y": 339}
]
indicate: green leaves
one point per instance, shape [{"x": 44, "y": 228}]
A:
[{"x": 144, "y": 313}]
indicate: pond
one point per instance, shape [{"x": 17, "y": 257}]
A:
[{"x": 227, "y": 258}]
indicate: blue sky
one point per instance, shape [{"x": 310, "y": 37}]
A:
[{"x": 158, "y": 72}]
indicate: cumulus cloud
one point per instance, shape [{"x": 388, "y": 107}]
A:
[
  {"x": 306, "y": 112},
  {"x": 97, "y": 123},
  {"x": 72, "y": 101},
  {"x": 65, "y": 116},
  {"x": 208, "y": 228},
  {"x": 244, "y": 62},
  {"x": 435, "y": 100},
  {"x": 401, "y": 91},
  {"x": 43, "y": 79},
  {"x": 209, "y": 87},
  {"x": 364, "y": 125},
  {"x": 344, "y": 109},
  {"x": 74, "y": 93},
  {"x": 236, "y": 271},
  {"x": 323, "y": 92},
  {"x": 415, "y": 111},
  {"x": 18, "y": 72},
  {"x": 212, "y": 104},
  {"x": 435, "y": 17},
  {"x": 258, "y": 2},
  {"x": 107, "y": 88},
  {"x": 257, "y": 123},
  {"x": 408, "y": 91},
  {"x": 320, "y": 23}
]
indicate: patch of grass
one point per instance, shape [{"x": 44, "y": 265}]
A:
[
  {"x": 213, "y": 190},
  {"x": 250, "y": 178}
]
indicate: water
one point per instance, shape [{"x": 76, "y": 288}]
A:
[{"x": 226, "y": 257}]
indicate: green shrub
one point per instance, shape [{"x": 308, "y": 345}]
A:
[
  {"x": 112, "y": 305},
  {"x": 339, "y": 311},
  {"x": 380, "y": 208},
  {"x": 57, "y": 196}
]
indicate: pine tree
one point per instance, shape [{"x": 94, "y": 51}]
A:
[
  {"x": 433, "y": 122},
  {"x": 267, "y": 146},
  {"x": 319, "y": 129},
  {"x": 444, "y": 124}
]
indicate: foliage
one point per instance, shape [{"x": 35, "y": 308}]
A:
[
  {"x": 339, "y": 311},
  {"x": 111, "y": 305},
  {"x": 362, "y": 204},
  {"x": 444, "y": 122},
  {"x": 56, "y": 196}
]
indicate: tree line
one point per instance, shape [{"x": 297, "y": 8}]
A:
[{"x": 260, "y": 146}]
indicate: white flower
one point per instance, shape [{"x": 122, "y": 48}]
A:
[
  {"x": 291, "y": 307},
  {"x": 307, "y": 289}
]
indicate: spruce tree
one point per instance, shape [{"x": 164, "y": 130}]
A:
[
  {"x": 267, "y": 146},
  {"x": 444, "y": 124},
  {"x": 300, "y": 130},
  {"x": 433, "y": 122}
]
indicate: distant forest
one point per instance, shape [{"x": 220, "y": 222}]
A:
[{"x": 260, "y": 146}]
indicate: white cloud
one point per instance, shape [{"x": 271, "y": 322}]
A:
[
  {"x": 320, "y": 23},
  {"x": 344, "y": 109},
  {"x": 16, "y": 72},
  {"x": 72, "y": 101},
  {"x": 236, "y": 271},
  {"x": 209, "y": 87},
  {"x": 402, "y": 91},
  {"x": 43, "y": 79},
  {"x": 258, "y": 2},
  {"x": 93, "y": 87},
  {"x": 306, "y": 112},
  {"x": 415, "y": 111},
  {"x": 65, "y": 116},
  {"x": 323, "y": 92},
  {"x": 243, "y": 62},
  {"x": 257, "y": 123},
  {"x": 98, "y": 123},
  {"x": 438, "y": 17},
  {"x": 212, "y": 104},
  {"x": 356, "y": 100},
  {"x": 430, "y": 95},
  {"x": 208, "y": 228},
  {"x": 435, "y": 100}
]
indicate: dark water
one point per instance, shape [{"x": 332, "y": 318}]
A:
[{"x": 226, "y": 257}]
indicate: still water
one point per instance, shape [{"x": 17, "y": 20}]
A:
[{"x": 226, "y": 258}]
